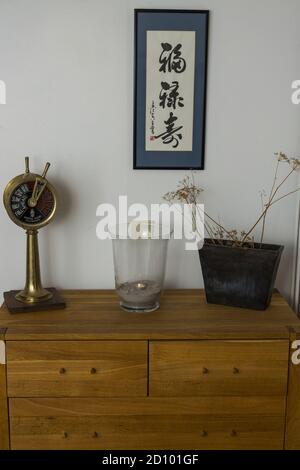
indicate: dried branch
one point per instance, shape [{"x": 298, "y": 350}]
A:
[
  {"x": 270, "y": 196},
  {"x": 295, "y": 164},
  {"x": 188, "y": 192}
]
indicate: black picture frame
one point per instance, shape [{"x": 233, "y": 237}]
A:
[{"x": 170, "y": 20}]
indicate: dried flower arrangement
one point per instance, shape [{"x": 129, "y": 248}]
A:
[{"x": 188, "y": 192}]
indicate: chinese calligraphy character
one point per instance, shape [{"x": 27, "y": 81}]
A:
[
  {"x": 171, "y": 134},
  {"x": 152, "y": 114},
  {"x": 170, "y": 59},
  {"x": 169, "y": 95}
]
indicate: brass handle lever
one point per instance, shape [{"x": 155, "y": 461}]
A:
[{"x": 46, "y": 170}]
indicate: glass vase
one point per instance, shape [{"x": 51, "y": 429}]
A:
[{"x": 140, "y": 252}]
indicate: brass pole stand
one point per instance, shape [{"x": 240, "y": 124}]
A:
[{"x": 33, "y": 291}]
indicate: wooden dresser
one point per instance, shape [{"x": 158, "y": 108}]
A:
[{"x": 188, "y": 376}]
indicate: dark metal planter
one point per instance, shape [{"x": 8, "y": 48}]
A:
[{"x": 240, "y": 277}]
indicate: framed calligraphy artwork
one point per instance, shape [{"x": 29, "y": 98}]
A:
[{"x": 170, "y": 88}]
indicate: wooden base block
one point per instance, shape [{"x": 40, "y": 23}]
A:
[{"x": 15, "y": 306}]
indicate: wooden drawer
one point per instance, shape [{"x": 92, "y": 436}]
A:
[
  {"x": 77, "y": 368},
  {"x": 147, "y": 423},
  {"x": 202, "y": 368}
]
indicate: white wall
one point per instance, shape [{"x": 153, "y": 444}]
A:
[{"x": 68, "y": 67}]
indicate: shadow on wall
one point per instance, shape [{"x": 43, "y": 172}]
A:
[
  {"x": 48, "y": 239},
  {"x": 66, "y": 199}
]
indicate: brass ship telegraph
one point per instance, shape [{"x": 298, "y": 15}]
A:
[{"x": 31, "y": 203}]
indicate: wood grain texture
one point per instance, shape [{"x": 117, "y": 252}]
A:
[
  {"x": 292, "y": 435},
  {"x": 195, "y": 368},
  {"x": 3, "y": 392},
  {"x": 73, "y": 368},
  {"x": 51, "y": 356},
  {"x": 149, "y": 423},
  {"x": 184, "y": 314},
  {"x": 4, "y": 426},
  {"x": 2, "y": 333}
]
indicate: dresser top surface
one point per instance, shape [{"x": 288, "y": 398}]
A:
[{"x": 184, "y": 314}]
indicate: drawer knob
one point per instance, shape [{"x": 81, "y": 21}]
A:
[
  {"x": 95, "y": 435},
  {"x": 65, "y": 435},
  {"x": 205, "y": 370},
  {"x": 203, "y": 433},
  {"x": 93, "y": 371},
  {"x": 233, "y": 433},
  {"x": 236, "y": 370},
  {"x": 62, "y": 370}
]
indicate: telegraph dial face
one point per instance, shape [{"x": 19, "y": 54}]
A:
[
  {"x": 17, "y": 197},
  {"x": 31, "y": 215}
]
